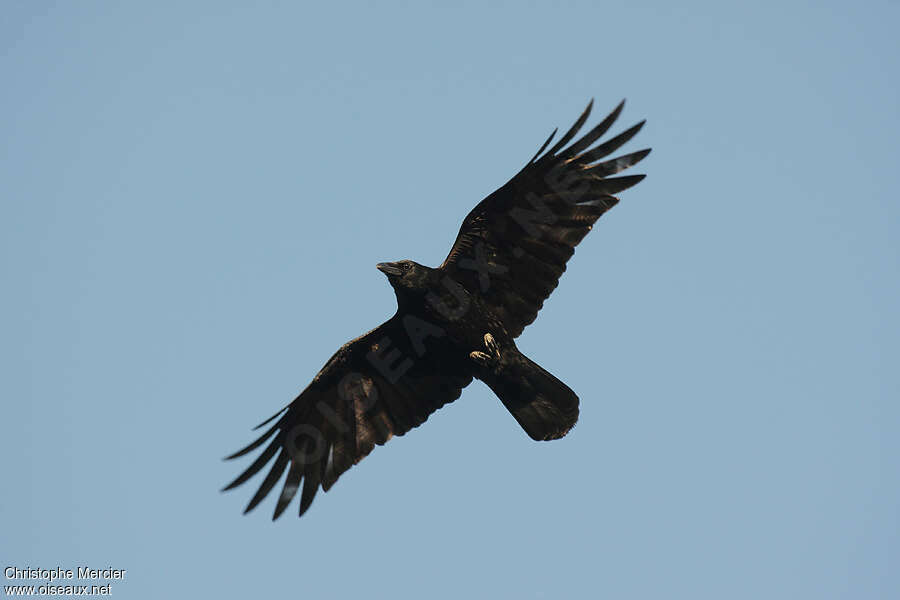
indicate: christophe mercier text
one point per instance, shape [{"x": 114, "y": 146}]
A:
[{"x": 63, "y": 578}]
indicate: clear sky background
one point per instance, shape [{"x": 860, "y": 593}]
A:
[{"x": 194, "y": 196}]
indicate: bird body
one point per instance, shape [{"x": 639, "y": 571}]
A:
[{"x": 453, "y": 323}]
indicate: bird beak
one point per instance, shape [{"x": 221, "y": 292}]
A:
[{"x": 389, "y": 268}]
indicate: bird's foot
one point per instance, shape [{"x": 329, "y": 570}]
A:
[{"x": 489, "y": 358}]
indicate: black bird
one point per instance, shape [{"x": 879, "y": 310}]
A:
[{"x": 453, "y": 323}]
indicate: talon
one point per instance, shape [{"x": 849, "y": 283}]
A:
[
  {"x": 491, "y": 344},
  {"x": 480, "y": 357},
  {"x": 489, "y": 358}
]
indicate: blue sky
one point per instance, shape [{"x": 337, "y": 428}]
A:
[{"x": 194, "y": 196}]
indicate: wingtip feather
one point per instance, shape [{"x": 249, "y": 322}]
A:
[
  {"x": 543, "y": 146},
  {"x": 573, "y": 130},
  {"x": 272, "y": 418}
]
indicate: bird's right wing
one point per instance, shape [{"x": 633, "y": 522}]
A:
[{"x": 377, "y": 386}]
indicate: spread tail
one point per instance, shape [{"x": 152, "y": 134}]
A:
[{"x": 543, "y": 405}]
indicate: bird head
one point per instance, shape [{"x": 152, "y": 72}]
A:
[{"x": 404, "y": 273}]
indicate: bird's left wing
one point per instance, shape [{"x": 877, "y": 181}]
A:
[
  {"x": 513, "y": 246},
  {"x": 377, "y": 386}
]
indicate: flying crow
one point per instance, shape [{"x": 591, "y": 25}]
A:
[{"x": 453, "y": 323}]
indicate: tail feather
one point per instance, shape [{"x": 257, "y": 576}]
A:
[{"x": 544, "y": 406}]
